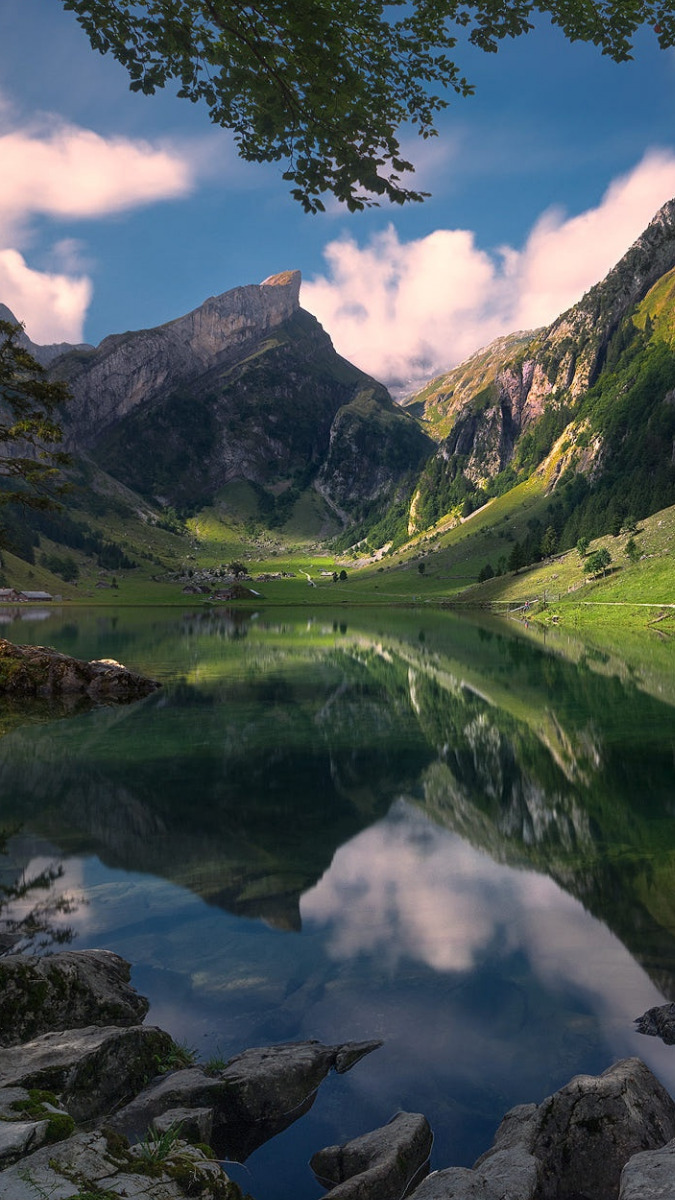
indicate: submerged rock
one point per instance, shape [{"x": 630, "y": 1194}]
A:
[
  {"x": 377, "y": 1165},
  {"x": 255, "y": 1096},
  {"x": 43, "y": 673},
  {"x": 68, "y": 990}
]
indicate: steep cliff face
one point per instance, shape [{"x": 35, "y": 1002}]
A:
[
  {"x": 524, "y": 384},
  {"x": 130, "y": 369},
  {"x": 247, "y": 387}
]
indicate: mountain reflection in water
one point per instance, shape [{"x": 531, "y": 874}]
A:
[{"x": 411, "y": 828}]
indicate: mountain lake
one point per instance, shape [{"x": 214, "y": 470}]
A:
[{"x": 456, "y": 835}]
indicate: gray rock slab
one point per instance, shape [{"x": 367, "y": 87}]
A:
[
  {"x": 92, "y": 1070},
  {"x": 255, "y": 1096},
  {"x": 192, "y": 1124},
  {"x": 69, "y": 990},
  {"x": 189, "y": 1089},
  {"x": 9, "y": 1097},
  {"x": 379, "y": 1164},
  {"x": 454, "y": 1183},
  {"x": 511, "y": 1174},
  {"x": 89, "y": 1159},
  {"x": 18, "y": 1138},
  {"x": 649, "y": 1175}
]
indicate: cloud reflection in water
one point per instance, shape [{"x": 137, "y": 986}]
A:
[{"x": 406, "y": 890}]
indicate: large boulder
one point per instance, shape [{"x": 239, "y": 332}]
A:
[
  {"x": 65, "y": 991},
  {"x": 92, "y": 1070},
  {"x": 584, "y": 1134},
  {"x": 255, "y": 1096},
  {"x": 572, "y": 1146},
  {"x": 38, "y": 672},
  {"x": 379, "y": 1164},
  {"x": 458, "y": 1183}
]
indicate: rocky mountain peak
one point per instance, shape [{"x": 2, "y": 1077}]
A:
[{"x": 132, "y": 368}]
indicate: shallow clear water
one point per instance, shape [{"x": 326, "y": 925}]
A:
[{"x": 381, "y": 825}]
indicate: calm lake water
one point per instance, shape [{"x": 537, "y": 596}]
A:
[{"x": 448, "y": 835}]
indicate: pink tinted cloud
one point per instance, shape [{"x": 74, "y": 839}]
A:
[
  {"x": 406, "y": 310},
  {"x": 66, "y": 172}
]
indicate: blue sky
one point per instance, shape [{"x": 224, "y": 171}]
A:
[{"x": 121, "y": 211}]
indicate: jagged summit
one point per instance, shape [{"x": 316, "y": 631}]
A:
[
  {"x": 246, "y": 387},
  {"x": 128, "y": 369},
  {"x": 505, "y": 408},
  {"x": 592, "y": 321}
]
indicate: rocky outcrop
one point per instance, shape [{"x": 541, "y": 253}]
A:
[
  {"x": 572, "y": 1146},
  {"x": 658, "y": 1022},
  {"x": 255, "y": 1096},
  {"x": 65, "y": 991},
  {"x": 92, "y": 1070},
  {"x": 39, "y": 672},
  {"x": 129, "y": 369},
  {"x": 610, "y": 1137},
  {"x": 584, "y": 1134},
  {"x": 377, "y": 1165},
  {"x": 485, "y": 405},
  {"x": 94, "y": 1165}
]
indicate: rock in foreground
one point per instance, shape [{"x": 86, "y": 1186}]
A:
[
  {"x": 94, "y": 1166},
  {"x": 255, "y": 1096},
  {"x": 378, "y": 1165},
  {"x": 572, "y": 1146},
  {"x": 92, "y": 1070},
  {"x": 38, "y": 672},
  {"x": 65, "y": 991}
]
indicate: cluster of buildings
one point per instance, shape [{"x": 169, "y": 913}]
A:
[{"x": 16, "y": 596}]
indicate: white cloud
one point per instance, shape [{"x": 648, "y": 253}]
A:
[
  {"x": 64, "y": 172},
  {"x": 406, "y": 310},
  {"x": 407, "y": 890},
  {"x": 52, "y": 306}
]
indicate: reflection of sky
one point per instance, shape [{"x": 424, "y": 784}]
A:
[
  {"x": 406, "y": 890},
  {"x": 490, "y": 986}
]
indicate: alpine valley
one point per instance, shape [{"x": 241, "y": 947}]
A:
[{"x": 236, "y": 434}]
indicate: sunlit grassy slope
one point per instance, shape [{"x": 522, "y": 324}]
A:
[{"x": 436, "y": 568}]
